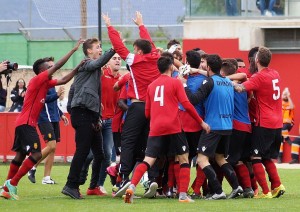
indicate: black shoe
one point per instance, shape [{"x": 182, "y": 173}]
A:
[
  {"x": 196, "y": 196},
  {"x": 122, "y": 188},
  {"x": 248, "y": 193},
  {"x": 235, "y": 193},
  {"x": 170, "y": 193},
  {"x": 31, "y": 175},
  {"x": 151, "y": 191},
  {"x": 72, "y": 192},
  {"x": 294, "y": 161}
]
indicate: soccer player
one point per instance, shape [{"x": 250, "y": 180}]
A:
[
  {"x": 266, "y": 137},
  {"x": 239, "y": 145},
  {"x": 48, "y": 124},
  {"x": 26, "y": 138},
  {"x": 163, "y": 96},
  {"x": 217, "y": 94},
  {"x": 109, "y": 99},
  {"x": 143, "y": 70}
]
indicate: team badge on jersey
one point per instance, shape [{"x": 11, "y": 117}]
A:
[
  {"x": 49, "y": 135},
  {"x": 35, "y": 145},
  {"x": 184, "y": 148},
  {"x": 203, "y": 148},
  {"x": 256, "y": 151}
]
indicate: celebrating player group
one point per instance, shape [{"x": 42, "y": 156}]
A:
[{"x": 162, "y": 118}]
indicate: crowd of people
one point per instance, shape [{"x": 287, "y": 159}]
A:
[{"x": 157, "y": 119}]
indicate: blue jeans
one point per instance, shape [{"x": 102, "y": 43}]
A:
[
  {"x": 108, "y": 144},
  {"x": 231, "y": 7},
  {"x": 263, "y": 6}
]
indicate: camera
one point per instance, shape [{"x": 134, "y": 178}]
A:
[{"x": 11, "y": 66}]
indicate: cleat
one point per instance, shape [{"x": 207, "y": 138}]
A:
[
  {"x": 277, "y": 192},
  {"x": 72, "y": 192},
  {"x": 264, "y": 196},
  {"x": 122, "y": 189},
  {"x": 294, "y": 161},
  {"x": 95, "y": 191},
  {"x": 4, "y": 194},
  {"x": 31, "y": 175},
  {"x": 196, "y": 196},
  {"x": 113, "y": 173},
  {"x": 170, "y": 193},
  {"x": 256, "y": 191},
  {"x": 248, "y": 193},
  {"x": 217, "y": 196},
  {"x": 151, "y": 191},
  {"x": 13, "y": 191},
  {"x": 235, "y": 193},
  {"x": 190, "y": 191},
  {"x": 129, "y": 194},
  {"x": 186, "y": 200},
  {"x": 48, "y": 181}
]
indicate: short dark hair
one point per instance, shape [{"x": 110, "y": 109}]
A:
[
  {"x": 193, "y": 58},
  {"x": 233, "y": 61},
  {"x": 214, "y": 61},
  {"x": 228, "y": 68},
  {"x": 163, "y": 64},
  {"x": 239, "y": 60},
  {"x": 177, "y": 54},
  {"x": 167, "y": 54},
  {"x": 252, "y": 52},
  {"x": 172, "y": 42},
  {"x": 88, "y": 43},
  {"x": 38, "y": 65},
  {"x": 204, "y": 56},
  {"x": 48, "y": 59},
  {"x": 264, "y": 56},
  {"x": 143, "y": 45}
]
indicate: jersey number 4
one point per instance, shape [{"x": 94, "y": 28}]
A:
[
  {"x": 276, "y": 89},
  {"x": 159, "y": 95}
]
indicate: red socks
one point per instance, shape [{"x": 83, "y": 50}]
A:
[
  {"x": 176, "y": 173},
  {"x": 139, "y": 172},
  {"x": 272, "y": 172},
  {"x": 184, "y": 177},
  {"x": 26, "y": 166},
  {"x": 171, "y": 176},
  {"x": 200, "y": 178},
  {"x": 13, "y": 169},
  {"x": 243, "y": 175},
  {"x": 259, "y": 173}
]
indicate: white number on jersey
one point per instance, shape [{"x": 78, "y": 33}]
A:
[
  {"x": 159, "y": 95},
  {"x": 276, "y": 89}
]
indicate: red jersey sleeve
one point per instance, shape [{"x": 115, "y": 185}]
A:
[
  {"x": 253, "y": 83},
  {"x": 124, "y": 79},
  {"x": 144, "y": 34},
  {"x": 117, "y": 43},
  {"x": 52, "y": 83},
  {"x": 123, "y": 93},
  {"x": 183, "y": 99},
  {"x": 148, "y": 105}
]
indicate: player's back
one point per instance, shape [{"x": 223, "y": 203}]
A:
[
  {"x": 268, "y": 98},
  {"x": 162, "y": 100}
]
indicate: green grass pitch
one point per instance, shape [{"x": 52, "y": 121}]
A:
[{"x": 38, "y": 197}]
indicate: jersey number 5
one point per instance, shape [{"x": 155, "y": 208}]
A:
[
  {"x": 159, "y": 95},
  {"x": 276, "y": 89}
]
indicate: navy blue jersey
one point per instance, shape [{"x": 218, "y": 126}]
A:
[{"x": 50, "y": 112}]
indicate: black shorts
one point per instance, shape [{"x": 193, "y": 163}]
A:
[
  {"x": 26, "y": 140},
  {"x": 192, "y": 139},
  {"x": 174, "y": 144},
  {"x": 212, "y": 143},
  {"x": 239, "y": 147},
  {"x": 50, "y": 131},
  {"x": 265, "y": 142}
]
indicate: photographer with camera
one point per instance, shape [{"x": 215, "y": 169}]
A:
[
  {"x": 3, "y": 66},
  {"x": 17, "y": 96}
]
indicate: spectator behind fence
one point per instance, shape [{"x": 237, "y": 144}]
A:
[
  {"x": 62, "y": 101},
  {"x": 231, "y": 7},
  {"x": 17, "y": 96},
  {"x": 3, "y": 94},
  {"x": 265, "y": 9}
]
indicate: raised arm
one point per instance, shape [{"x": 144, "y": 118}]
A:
[
  {"x": 144, "y": 34},
  {"x": 69, "y": 76},
  {"x": 115, "y": 38},
  {"x": 64, "y": 59},
  {"x": 92, "y": 65}
]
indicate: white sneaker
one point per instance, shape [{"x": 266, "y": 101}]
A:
[
  {"x": 47, "y": 180},
  {"x": 268, "y": 13},
  {"x": 102, "y": 189}
]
